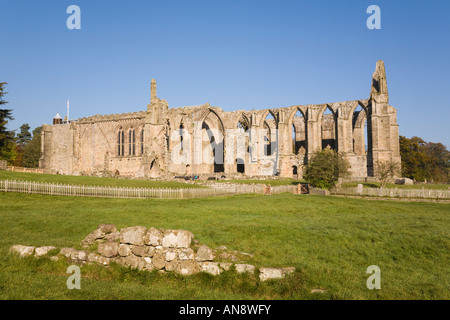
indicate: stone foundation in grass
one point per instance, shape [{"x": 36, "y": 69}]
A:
[{"x": 150, "y": 248}]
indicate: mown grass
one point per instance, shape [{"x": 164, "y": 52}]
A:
[
  {"x": 400, "y": 186},
  {"x": 272, "y": 182},
  {"x": 330, "y": 241},
  {"x": 97, "y": 181}
]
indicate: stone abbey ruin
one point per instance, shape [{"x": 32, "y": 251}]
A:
[{"x": 203, "y": 140}]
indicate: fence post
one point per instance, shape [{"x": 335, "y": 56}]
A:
[{"x": 6, "y": 186}]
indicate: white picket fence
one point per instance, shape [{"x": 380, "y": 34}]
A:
[
  {"x": 396, "y": 192},
  {"x": 33, "y": 187}
]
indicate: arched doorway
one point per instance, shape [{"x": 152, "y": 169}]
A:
[{"x": 295, "y": 172}]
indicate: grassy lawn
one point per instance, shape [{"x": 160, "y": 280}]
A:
[
  {"x": 400, "y": 186},
  {"x": 272, "y": 182},
  {"x": 331, "y": 241},
  {"x": 97, "y": 181}
]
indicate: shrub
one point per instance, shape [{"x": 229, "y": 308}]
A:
[{"x": 325, "y": 167}]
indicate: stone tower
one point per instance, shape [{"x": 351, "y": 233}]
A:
[{"x": 382, "y": 123}]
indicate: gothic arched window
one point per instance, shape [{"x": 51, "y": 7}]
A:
[
  {"x": 120, "y": 142},
  {"x": 142, "y": 141},
  {"x": 132, "y": 142}
]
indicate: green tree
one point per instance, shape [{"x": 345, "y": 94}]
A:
[
  {"x": 32, "y": 151},
  {"x": 423, "y": 160},
  {"x": 24, "y": 136},
  {"x": 7, "y": 150},
  {"x": 325, "y": 167}
]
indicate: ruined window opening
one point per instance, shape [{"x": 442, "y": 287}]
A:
[
  {"x": 181, "y": 137},
  {"x": 267, "y": 140},
  {"x": 132, "y": 142},
  {"x": 215, "y": 135},
  {"x": 142, "y": 141},
  {"x": 120, "y": 143},
  {"x": 359, "y": 131},
  {"x": 329, "y": 129},
  {"x": 168, "y": 135},
  {"x": 299, "y": 136}
]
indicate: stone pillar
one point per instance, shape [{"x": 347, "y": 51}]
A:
[
  {"x": 153, "y": 90},
  {"x": 314, "y": 131},
  {"x": 383, "y": 124},
  {"x": 341, "y": 133}
]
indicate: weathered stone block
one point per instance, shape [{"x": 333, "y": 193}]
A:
[
  {"x": 23, "y": 251},
  {"x": 150, "y": 252},
  {"x": 153, "y": 237},
  {"x": 211, "y": 268},
  {"x": 132, "y": 261},
  {"x": 171, "y": 265},
  {"x": 188, "y": 267},
  {"x": 270, "y": 273},
  {"x": 170, "y": 255},
  {"x": 241, "y": 268},
  {"x": 133, "y": 235},
  {"x": 177, "y": 239},
  {"x": 77, "y": 256},
  {"x": 95, "y": 258},
  {"x": 113, "y": 237},
  {"x": 225, "y": 265},
  {"x": 204, "y": 253},
  {"x": 67, "y": 252},
  {"x": 405, "y": 181},
  {"x": 124, "y": 250},
  {"x": 148, "y": 264},
  {"x": 91, "y": 237},
  {"x": 158, "y": 261},
  {"x": 186, "y": 254},
  {"x": 107, "y": 228},
  {"x": 138, "y": 251},
  {"x": 108, "y": 249},
  {"x": 42, "y": 251}
]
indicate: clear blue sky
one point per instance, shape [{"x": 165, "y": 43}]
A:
[{"x": 233, "y": 54}]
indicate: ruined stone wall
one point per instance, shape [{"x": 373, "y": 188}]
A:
[
  {"x": 153, "y": 249},
  {"x": 275, "y": 141}
]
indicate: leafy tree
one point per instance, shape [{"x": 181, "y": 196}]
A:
[
  {"x": 325, "y": 167},
  {"x": 32, "y": 151},
  {"x": 423, "y": 160}
]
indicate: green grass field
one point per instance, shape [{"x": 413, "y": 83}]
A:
[
  {"x": 272, "y": 182},
  {"x": 393, "y": 185},
  {"x": 329, "y": 240},
  {"x": 97, "y": 181}
]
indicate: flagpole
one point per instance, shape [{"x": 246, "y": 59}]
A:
[{"x": 67, "y": 110}]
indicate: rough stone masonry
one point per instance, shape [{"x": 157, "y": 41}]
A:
[
  {"x": 205, "y": 140},
  {"x": 153, "y": 249}
]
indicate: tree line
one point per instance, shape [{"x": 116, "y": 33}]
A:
[
  {"x": 424, "y": 161},
  {"x": 22, "y": 149}
]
